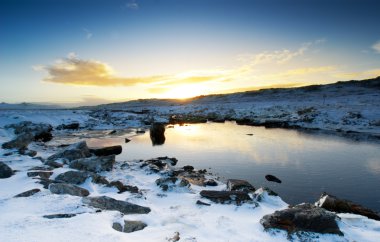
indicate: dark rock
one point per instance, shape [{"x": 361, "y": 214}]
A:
[
  {"x": 72, "y": 177},
  {"x": 169, "y": 183},
  {"x": 8, "y": 154},
  {"x": 105, "y": 151},
  {"x": 29, "y": 127},
  {"x": 42, "y": 174},
  {"x": 112, "y": 132},
  {"x": 53, "y": 164},
  {"x": 98, "y": 179},
  {"x": 249, "y": 134},
  {"x": 239, "y": 185},
  {"x": 211, "y": 183},
  {"x": 123, "y": 188},
  {"x": 272, "y": 178},
  {"x": 5, "y": 170},
  {"x": 157, "y": 133},
  {"x": 60, "y": 215},
  {"x": 199, "y": 202},
  {"x": 337, "y": 205},
  {"x": 117, "y": 226},
  {"x": 276, "y": 124},
  {"x": 74, "y": 125},
  {"x": 140, "y": 131},
  {"x": 46, "y": 182},
  {"x": 127, "y": 140},
  {"x": 129, "y": 226},
  {"x": 226, "y": 197},
  {"x": 20, "y": 142},
  {"x": 108, "y": 203},
  {"x": 28, "y": 193},
  {"x": 63, "y": 188},
  {"x": 188, "y": 168},
  {"x": 189, "y": 119},
  {"x": 27, "y": 152},
  {"x": 303, "y": 217},
  {"x": 75, "y": 151},
  {"x": 94, "y": 164},
  {"x": 44, "y": 136}
]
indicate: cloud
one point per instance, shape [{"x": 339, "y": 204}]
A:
[
  {"x": 88, "y": 33},
  {"x": 376, "y": 47},
  {"x": 300, "y": 71},
  {"x": 359, "y": 74},
  {"x": 132, "y": 5}
]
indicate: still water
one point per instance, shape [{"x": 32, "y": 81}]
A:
[{"x": 307, "y": 164}]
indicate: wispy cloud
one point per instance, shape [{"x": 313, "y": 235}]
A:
[
  {"x": 132, "y": 4},
  {"x": 376, "y": 47},
  {"x": 358, "y": 75},
  {"x": 300, "y": 72},
  {"x": 88, "y": 33}
]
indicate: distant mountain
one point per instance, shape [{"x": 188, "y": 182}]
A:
[{"x": 27, "y": 106}]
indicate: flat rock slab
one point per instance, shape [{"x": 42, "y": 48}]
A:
[
  {"x": 28, "y": 193},
  {"x": 226, "y": 197},
  {"x": 105, "y": 151},
  {"x": 303, "y": 217},
  {"x": 5, "y": 170},
  {"x": 94, "y": 164},
  {"x": 63, "y": 188},
  {"x": 129, "y": 226},
  {"x": 72, "y": 177},
  {"x": 42, "y": 174},
  {"x": 72, "y": 152},
  {"x": 108, "y": 203},
  {"x": 337, "y": 205}
]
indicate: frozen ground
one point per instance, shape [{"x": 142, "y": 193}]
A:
[{"x": 174, "y": 211}]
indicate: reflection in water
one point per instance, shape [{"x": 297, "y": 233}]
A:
[
  {"x": 307, "y": 164},
  {"x": 157, "y": 134}
]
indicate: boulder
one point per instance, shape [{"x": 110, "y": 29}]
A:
[
  {"x": 239, "y": 185},
  {"x": 60, "y": 215},
  {"x": 74, "y": 125},
  {"x": 226, "y": 197},
  {"x": 53, "y": 164},
  {"x": 105, "y": 151},
  {"x": 129, "y": 226},
  {"x": 123, "y": 188},
  {"x": 27, "y": 152},
  {"x": 5, "y": 170},
  {"x": 27, "y": 132},
  {"x": 199, "y": 202},
  {"x": 170, "y": 183},
  {"x": 337, "y": 205},
  {"x": 127, "y": 140},
  {"x": 107, "y": 203},
  {"x": 303, "y": 217},
  {"x": 42, "y": 174},
  {"x": 98, "y": 179},
  {"x": 272, "y": 178},
  {"x": 29, "y": 127},
  {"x": 72, "y": 177},
  {"x": 63, "y": 188},
  {"x": 72, "y": 152},
  {"x": 157, "y": 133},
  {"x": 211, "y": 183},
  {"x": 28, "y": 193},
  {"x": 20, "y": 142},
  {"x": 44, "y": 136},
  {"x": 94, "y": 164}
]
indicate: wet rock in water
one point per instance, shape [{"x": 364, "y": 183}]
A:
[
  {"x": 169, "y": 183},
  {"x": 27, "y": 152},
  {"x": 188, "y": 168},
  {"x": 20, "y": 142},
  {"x": 94, "y": 164},
  {"x": 129, "y": 226},
  {"x": 337, "y": 205},
  {"x": 239, "y": 185},
  {"x": 157, "y": 133},
  {"x": 107, "y": 203},
  {"x": 42, "y": 174},
  {"x": 74, "y": 125},
  {"x": 272, "y": 178},
  {"x": 211, "y": 183},
  {"x": 123, "y": 188},
  {"x": 127, "y": 140},
  {"x": 106, "y": 151},
  {"x": 72, "y": 152},
  {"x": 226, "y": 197},
  {"x": 199, "y": 202},
  {"x": 72, "y": 177},
  {"x": 60, "y": 215},
  {"x": 140, "y": 131},
  {"x": 303, "y": 217},
  {"x": 5, "y": 170},
  {"x": 63, "y": 188},
  {"x": 28, "y": 193}
]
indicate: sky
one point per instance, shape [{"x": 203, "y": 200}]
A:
[{"x": 100, "y": 51}]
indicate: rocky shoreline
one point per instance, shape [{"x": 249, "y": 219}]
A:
[{"x": 65, "y": 171}]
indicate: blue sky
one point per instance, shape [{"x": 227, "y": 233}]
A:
[{"x": 68, "y": 51}]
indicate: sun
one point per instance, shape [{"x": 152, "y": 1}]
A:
[{"x": 185, "y": 91}]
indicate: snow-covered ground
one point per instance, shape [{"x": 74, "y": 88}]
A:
[{"x": 172, "y": 212}]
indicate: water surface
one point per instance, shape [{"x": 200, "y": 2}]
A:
[{"x": 307, "y": 164}]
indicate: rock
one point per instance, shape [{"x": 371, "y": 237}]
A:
[
  {"x": 46, "y": 182},
  {"x": 272, "y": 178},
  {"x": 20, "y": 142},
  {"x": 43, "y": 136},
  {"x": 175, "y": 238},
  {"x": 127, "y": 140},
  {"x": 159, "y": 164},
  {"x": 72, "y": 152},
  {"x": 42, "y": 174},
  {"x": 74, "y": 125},
  {"x": 140, "y": 131},
  {"x": 98, "y": 179},
  {"x": 169, "y": 183},
  {"x": 188, "y": 168},
  {"x": 53, "y": 164},
  {"x": 303, "y": 217},
  {"x": 112, "y": 132},
  {"x": 239, "y": 185},
  {"x": 94, "y": 164},
  {"x": 226, "y": 197},
  {"x": 27, "y": 152},
  {"x": 123, "y": 188},
  {"x": 199, "y": 202},
  {"x": 157, "y": 133},
  {"x": 105, "y": 151},
  {"x": 29, "y": 127},
  {"x": 5, "y": 170},
  {"x": 108, "y": 203},
  {"x": 211, "y": 183},
  {"x": 337, "y": 205},
  {"x": 72, "y": 177},
  {"x": 28, "y": 193},
  {"x": 63, "y": 188},
  {"x": 129, "y": 226},
  {"x": 60, "y": 215}
]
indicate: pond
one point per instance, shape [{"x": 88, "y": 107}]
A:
[{"x": 307, "y": 164}]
